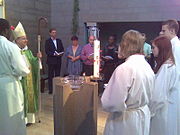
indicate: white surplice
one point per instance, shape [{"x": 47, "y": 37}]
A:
[
  {"x": 174, "y": 107},
  {"x": 126, "y": 98},
  {"x": 165, "y": 81},
  {"x": 176, "y": 52},
  {"x": 12, "y": 67}
]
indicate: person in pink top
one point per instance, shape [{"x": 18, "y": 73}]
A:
[{"x": 87, "y": 56}]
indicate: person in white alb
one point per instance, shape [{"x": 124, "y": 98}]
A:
[
  {"x": 165, "y": 81},
  {"x": 13, "y": 67},
  {"x": 129, "y": 90},
  {"x": 170, "y": 29}
]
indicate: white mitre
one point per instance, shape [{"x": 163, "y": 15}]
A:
[{"x": 19, "y": 31}]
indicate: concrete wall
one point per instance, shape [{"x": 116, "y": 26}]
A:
[
  {"x": 59, "y": 14},
  {"x": 110, "y": 11},
  {"x": 129, "y": 10},
  {"x": 61, "y": 19},
  {"x": 29, "y": 12}
]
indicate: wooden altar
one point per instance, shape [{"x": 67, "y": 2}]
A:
[{"x": 75, "y": 111}]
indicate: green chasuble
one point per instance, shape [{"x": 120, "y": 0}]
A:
[{"x": 30, "y": 84}]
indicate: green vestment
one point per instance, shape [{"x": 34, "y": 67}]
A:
[{"x": 30, "y": 84}]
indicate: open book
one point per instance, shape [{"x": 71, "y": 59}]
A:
[
  {"x": 60, "y": 53},
  {"x": 92, "y": 54},
  {"x": 107, "y": 57}
]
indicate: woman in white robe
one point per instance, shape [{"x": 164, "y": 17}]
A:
[
  {"x": 162, "y": 106},
  {"x": 12, "y": 67},
  {"x": 129, "y": 90}
]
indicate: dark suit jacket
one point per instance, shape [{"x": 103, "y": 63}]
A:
[{"x": 50, "y": 50}]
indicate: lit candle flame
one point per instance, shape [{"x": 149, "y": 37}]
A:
[{"x": 84, "y": 74}]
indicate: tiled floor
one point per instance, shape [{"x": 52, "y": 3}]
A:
[{"x": 45, "y": 127}]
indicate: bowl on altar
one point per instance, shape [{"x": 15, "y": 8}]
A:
[{"x": 75, "y": 81}]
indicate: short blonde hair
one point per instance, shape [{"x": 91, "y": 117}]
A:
[{"x": 131, "y": 43}]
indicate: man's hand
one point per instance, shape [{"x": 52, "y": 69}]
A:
[
  {"x": 91, "y": 57},
  {"x": 58, "y": 54},
  {"x": 39, "y": 55}
]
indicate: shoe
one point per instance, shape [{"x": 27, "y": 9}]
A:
[{"x": 28, "y": 124}]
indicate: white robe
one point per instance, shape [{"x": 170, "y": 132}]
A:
[
  {"x": 176, "y": 52},
  {"x": 174, "y": 122},
  {"x": 165, "y": 81},
  {"x": 126, "y": 98},
  {"x": 12, "y": 66}
]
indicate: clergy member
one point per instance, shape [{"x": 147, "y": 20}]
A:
[
  {"x": 129, "y": 90},
  {"x": 30, "y": 83},
  {"x": 11, "y": 94}
]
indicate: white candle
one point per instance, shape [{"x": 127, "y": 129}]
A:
[{"x": 96, "y": 58}]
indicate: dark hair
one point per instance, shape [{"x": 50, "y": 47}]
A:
[
  {"x": 163, "y": 43},
  {"x": 113, "y": 36},
  {"x": 50, "y": 30},
  {"x": 4, "y": 24},
  {"x": 172, "y": 24},
  {"x": 74, "y": 38}
]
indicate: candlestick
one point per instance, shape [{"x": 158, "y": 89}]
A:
[
  {"x": 39, "y": 43},
  {"x": 96, "y": 58},
  {"x": 39, "y": 50}
]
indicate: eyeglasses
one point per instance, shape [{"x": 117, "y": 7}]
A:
[{"x": 23, "y": 38}]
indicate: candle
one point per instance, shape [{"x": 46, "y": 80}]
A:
[
  {"x": 84, "y": 74},
  {"x": 84, "y": 77},
  {"x": 96, "y": 58}
]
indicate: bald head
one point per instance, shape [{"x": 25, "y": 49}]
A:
[{"x": 91, "y": 40}]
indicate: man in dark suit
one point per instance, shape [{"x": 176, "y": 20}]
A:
[{"x": 54, "y": 50}]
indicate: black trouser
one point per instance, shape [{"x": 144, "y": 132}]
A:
[
  {"x": 88, "y": 69},
  {"x": 108, "y": 70},
  {"x": 53, "y": 71}
]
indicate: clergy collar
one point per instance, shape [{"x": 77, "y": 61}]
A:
[
  {"x": 25, "y": 48},
  {"x": 135, "y": 56}
]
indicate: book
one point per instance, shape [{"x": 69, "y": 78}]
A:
[
  {"x": 91, "y": 54},
  {"x": 60, "y": 53},
  {"x": 108, "y": 57}
]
